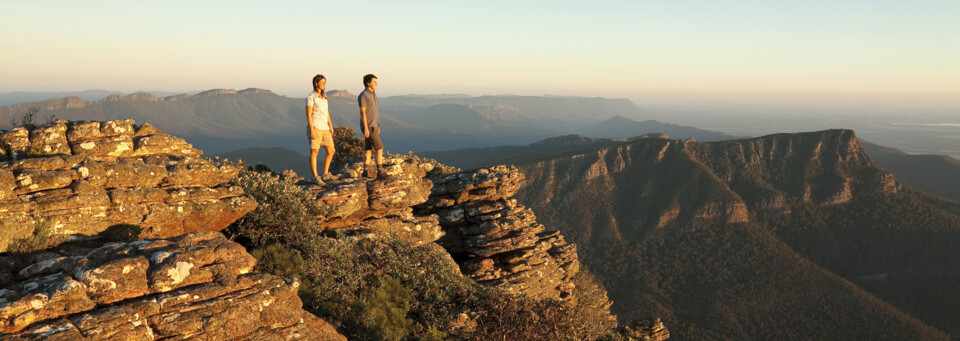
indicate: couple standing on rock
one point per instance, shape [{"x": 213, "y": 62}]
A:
[{"x": 320, "y": 127}]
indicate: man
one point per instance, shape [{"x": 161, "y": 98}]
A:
[
  {"x": 370, "y": 122},
  {"x": 319, "y": 129}
]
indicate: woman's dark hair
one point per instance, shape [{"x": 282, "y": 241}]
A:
[
  {"x": 367, "y": 79},
  {"x": 317, "y": 79}
]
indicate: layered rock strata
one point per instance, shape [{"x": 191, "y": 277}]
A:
[
  {"x": 83, "y": 177},
  {"x": 381, "y": 205},
  {"x": 193, "y": 286},
  {"x": 497, "y": 241}
]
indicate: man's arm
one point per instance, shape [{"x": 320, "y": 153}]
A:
[{"x": 363, "y": 117}]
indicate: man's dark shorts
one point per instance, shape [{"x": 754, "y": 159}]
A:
[{"x": 373, "y": 142}]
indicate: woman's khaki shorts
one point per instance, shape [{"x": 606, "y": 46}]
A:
[{"x": 324, "y": 138}]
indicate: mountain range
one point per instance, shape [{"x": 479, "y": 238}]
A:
[
  {"x": 788, "y": 236},
  {"x": 222, "y": 120}
]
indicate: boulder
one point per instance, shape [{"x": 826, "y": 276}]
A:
[
  {"x": 16, "y": 142},
  {"x": 381, "y": 205},
  {"x": 50, "y": 139}
]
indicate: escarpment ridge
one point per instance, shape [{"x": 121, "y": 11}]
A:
[
  {"x": 755, "y": 226},
  {"x": 674, "y": 181}
]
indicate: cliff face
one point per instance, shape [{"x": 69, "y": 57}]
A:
[
  {"x": 776, "y": 171},
  {"x": 659, "y": 183},
  {"x": 77, "y": 179}
]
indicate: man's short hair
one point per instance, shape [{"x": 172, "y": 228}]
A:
[{"x": 367, "y": 79}]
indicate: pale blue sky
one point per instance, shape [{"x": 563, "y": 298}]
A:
[{"x": 598, "y": 48}]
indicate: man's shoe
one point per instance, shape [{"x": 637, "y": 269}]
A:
[
  {"x": 329, "y": 177},
  {"x": 369, "y": 172},
  {"x": 318, "y": 182}
]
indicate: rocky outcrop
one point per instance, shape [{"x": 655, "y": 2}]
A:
[
  {"x": 381, "y": 205},
  {"x": 83, "y": 177},
  {"x": 494, "y": 240},
  {"x": 497, "y": 241},
  {"x": 193, "y": 286}
]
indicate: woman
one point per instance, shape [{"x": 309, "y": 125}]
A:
[{"x": 319, "y": 129}]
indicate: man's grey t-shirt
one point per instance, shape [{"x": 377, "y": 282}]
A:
[{"x": 368, "y": 99}]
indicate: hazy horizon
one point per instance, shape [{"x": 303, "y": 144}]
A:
[{"x": 613, "y": 49}]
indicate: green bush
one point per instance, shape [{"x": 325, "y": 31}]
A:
[
  {"x": 382, "y": 313},
  {"x": 279, "y": 260},
  {"x": 343, "y": 270},
  {"x": 514, "y": 317},
  {"x": 349, "y": 148},
  {"x": 285, "y": 214}
]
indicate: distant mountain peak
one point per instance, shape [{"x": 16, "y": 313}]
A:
[
  {"x": 254, "y": 91},
  {"x": 142, "y": 96},
  {"x": 340, "y": 93}
]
